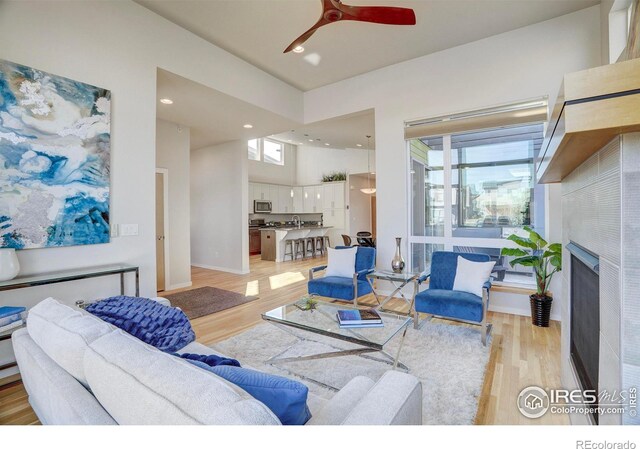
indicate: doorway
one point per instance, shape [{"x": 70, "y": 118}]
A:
[{"x": 162, "y": 210}]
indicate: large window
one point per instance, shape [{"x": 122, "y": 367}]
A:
[
  {"x": 266, "y": 150},
  {"x": 254, "y": 150},
  {"x": 472, "y": 190},
  {"x": 273, "y": 152}
]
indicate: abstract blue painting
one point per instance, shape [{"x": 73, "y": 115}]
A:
[{"x": 54, "y": 160}]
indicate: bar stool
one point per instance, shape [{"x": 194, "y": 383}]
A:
[
  {"x": 299, "y": 248},
  {"x": 288, "y": 244},
  {"x": 320, "y": 245},
  {"x": 310, "y": 246},
  {"x": 327, "y": 242}
]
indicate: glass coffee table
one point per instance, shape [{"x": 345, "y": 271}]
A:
[{"x": 322, "y": 321}]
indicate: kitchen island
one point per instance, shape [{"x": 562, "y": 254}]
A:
[{"x": 273, "y": 239}]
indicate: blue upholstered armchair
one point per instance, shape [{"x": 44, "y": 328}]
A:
[
  {"x": 345, "y": 289},
  {"x": 440, "y": 300}
]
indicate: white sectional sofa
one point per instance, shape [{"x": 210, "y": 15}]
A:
[{"x": 78, "y": 369}]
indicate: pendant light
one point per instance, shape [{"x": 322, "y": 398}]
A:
[{"x": 369, "y": 190}]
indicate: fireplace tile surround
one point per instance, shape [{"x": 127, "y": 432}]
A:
[{"x": 601, "y": 212}]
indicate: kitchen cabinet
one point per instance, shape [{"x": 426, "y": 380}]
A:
[
  {"x": 308, "y": 199},
  {"x": 268, "y": 245},
  {"x": 298, "y": 200},
  {"x": 254, "y": 241},
  {"x": 273, "y": 196},
  {"x": 334, "y": 218},
  {"x": 262, "y": 191},
  {"x": 285, "y": 202},
  {"x": 312, "y": 199},
  {"x": 333, "y": 193}
]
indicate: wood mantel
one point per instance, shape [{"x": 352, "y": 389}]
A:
[{"x": 593, "y": 107}]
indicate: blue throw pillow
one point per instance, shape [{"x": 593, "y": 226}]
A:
[{"x": 286, "y": 398}]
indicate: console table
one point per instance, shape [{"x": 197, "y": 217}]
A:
[
  {"x": 73, "y": 275},
  {"x": 66, "y": 276}
]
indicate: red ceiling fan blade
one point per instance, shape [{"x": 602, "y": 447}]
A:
[
  {"x": 306, "y": 35},
  {"x": 335, "y": 11},
  {"x": 388, "y": 15}
]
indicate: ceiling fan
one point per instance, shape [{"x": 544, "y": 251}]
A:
[{"x": 335, "y": 11}]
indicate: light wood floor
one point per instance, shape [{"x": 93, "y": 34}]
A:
[{"x": 521, "y": 354}]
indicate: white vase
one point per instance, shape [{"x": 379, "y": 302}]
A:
[{"x": 9, "y": 265}]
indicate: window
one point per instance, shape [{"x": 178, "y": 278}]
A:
[
  {"x": 472, "y": 190},
  {"x": 254, "y": 150},
  {"x": 269, "y": 151},
  {"x": 273, "y": 152}
]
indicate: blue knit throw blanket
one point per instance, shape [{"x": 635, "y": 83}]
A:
[
  {"x": 166, "y": 328},
  {"x": 211, "y": 359}
]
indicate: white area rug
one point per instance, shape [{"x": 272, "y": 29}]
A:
[{"x": 449, "y": 360}]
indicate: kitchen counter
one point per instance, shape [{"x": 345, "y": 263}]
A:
[{"x": 273, "y": 239}]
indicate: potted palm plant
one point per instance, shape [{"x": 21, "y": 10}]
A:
[{"x": 546, "y": 260}]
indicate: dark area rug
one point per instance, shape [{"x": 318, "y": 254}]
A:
[{"x": 207, "y": 300}]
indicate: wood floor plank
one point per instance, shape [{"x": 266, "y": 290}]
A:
[{"x": 521, "y": 354}]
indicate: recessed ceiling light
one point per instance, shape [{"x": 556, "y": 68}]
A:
[
  {"x": 327, "y": 144},
  {"x": 310, "y": 140},
  {"x": 298, "y": 49},
  {"x": 358, "y": 145},
  {"x": 247, "y": 125},
  {"x": 166, "y": 101}
]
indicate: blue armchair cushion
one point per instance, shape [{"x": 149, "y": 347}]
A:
[
  {"x": 338, "y": 287},
  {"x": 444, "y": 265},
  {"x": 286, "y": 398},
  {"x": 450, "y": 303}
]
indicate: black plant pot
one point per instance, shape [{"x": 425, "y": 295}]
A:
[{"x": 540, "y": 310}]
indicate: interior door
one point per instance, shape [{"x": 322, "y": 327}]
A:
[{"x": 160, "y": 232}]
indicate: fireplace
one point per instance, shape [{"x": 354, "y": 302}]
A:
[{"x": 585, "y": 317}]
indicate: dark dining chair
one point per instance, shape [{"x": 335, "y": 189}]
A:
[
  {"x": 346, "y": 239},
  {"x": 365, "y": 239}
]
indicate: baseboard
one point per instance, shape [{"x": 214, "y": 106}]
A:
[
  {"x": 180, "y": 285},
  {"x": 225, "y": 269},
  {"x": 519, "y": 311}
]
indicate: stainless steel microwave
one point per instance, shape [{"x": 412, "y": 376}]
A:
[{"x": 261, "y": 207}]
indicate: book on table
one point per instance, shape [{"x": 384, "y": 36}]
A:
[
  {"x": 13, "y": 325},
  {"x": 359, "y": 318},
  {"x": 10, "y": 315}
]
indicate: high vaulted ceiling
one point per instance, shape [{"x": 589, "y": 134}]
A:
[
  {"x": 215, "y": 118},
  {"x": 347, "y": 131},
  {"x": 259, "y": 30}
]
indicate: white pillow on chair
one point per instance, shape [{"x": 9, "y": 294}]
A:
[
  {"x": 342, "y": 262},
  {"x": 471, "y": 276}
]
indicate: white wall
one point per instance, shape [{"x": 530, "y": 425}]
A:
[
  {"x": 219, "y": 188},
  {"x": 119, "y": 46},
  {"x": 313, "y": 162},
  {"x": 275, "y": 174},
  {"x": 172, "y": 153},
  {"x": 525, "y": 63}
]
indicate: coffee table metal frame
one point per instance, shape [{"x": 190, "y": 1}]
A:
[
  {"x": 399, "y": 281},
  {"x": 367, "y": 346}
]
